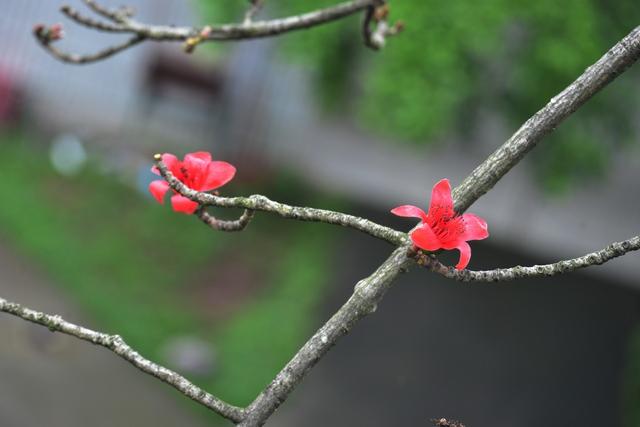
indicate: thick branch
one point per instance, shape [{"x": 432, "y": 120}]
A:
[
  {"x": 368, "y": 292},
  {"x": 261, "y": 203},
  {"x": 119, "y": 347},
  {"x": 595, "y": 78},
  {"x": 612, "y": 251}
]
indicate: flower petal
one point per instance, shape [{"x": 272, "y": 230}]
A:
[
  {"x": 182, "y": 204},
  {"x": 158, "y": 189},
  {"x": 196, "y": 165},
  {"x": 171, "y": 162},
  {"x": 410, "y": 211},
  {"x": 475, "y": 228},
  {"x": 441, "y": 202},
  {"x": 424, "y": 238},
  {"x": 465, "y": 255},
  {"x": 217, "y": 175},
  {"x": 199, "y": 155}
]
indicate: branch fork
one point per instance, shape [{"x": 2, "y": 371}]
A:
[
  {"x": 261, "y": 203},
  {"x": 122, "y": 21}
]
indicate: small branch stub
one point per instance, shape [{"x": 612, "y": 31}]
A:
[
  {"x": 443, "y": 422},
  {"x": 376, "y": 28}
]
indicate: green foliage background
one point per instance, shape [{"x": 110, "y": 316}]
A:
[
  {"x": 457, "y": 57},
  {"x": 137, "y": 267}
]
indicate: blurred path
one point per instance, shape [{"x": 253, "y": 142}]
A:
[{"x": 54, "y": 380}]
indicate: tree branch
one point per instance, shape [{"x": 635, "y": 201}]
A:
[
  {"x": 256, "y": 29},
  {"x": 117, "y": 345},
  {"x": 74, "y": 58},
  {"x": 376, "y": 17},
  {"x": 221, "y": 225},
  {"x": 88, "y": 22},
  {"x": 117, "y": 16},
  {"x": 121, "y": 21},
  {"x": 612, "y": 251},
  {"x": 252, "y": 11},
  {"x": 620, "y": 57},
  {"x": 367, "y": 293},
  {"x": 263, "y": 204}
]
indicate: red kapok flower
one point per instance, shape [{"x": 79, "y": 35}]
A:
[
  {"x": 441, "y": 227},
  {"x": 197, "y": 172}
]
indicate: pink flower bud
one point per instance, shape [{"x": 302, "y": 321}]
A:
[
  {"x": 56, "y": 32},
  {"x": 205, "y": 32}
]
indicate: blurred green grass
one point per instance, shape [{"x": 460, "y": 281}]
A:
[{"x": 133, "y": 266}]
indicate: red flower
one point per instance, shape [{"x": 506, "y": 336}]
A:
[
  {"x": 441, "y": 227},
  {"x": 197, "y": 172}
]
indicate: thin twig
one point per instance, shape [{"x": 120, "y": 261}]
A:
[
  {"x": 117, "y": 16},
  {"x": 222, "y": 225},
  {"x": 74, "y": 58},
  {"x": 121, "y": 21},
  {"x": 261, "y": 203},
  {"x": 86, "y": 21},
  {"x": 376, "y": 16},
  {"x": 252, "y": 11},
  {"x": 117, "y": 345},
  {"x": 612, "y": 251},
  {"x": 256, "y": 29}
]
